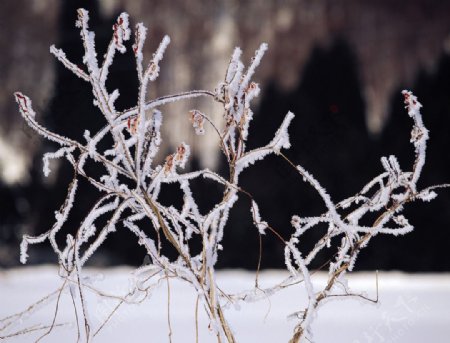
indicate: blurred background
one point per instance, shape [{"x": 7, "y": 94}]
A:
[{"x": 339, "y": 65}]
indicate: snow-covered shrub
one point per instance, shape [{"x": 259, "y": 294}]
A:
[{"x": 132, "y": 181}]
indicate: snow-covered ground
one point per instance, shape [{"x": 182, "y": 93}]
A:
[{"x": 412, "y": 308}]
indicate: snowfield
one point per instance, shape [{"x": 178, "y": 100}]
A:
[{"x": 412, "y": 308}]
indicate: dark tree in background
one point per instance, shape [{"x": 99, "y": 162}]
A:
[
  {"x": 426, "y": 248},
  {"x": 70, "y": 112},
  {"x": 329, "y": 138}
]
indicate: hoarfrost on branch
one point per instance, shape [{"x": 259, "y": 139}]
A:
[{"x": 136, "y": 136}]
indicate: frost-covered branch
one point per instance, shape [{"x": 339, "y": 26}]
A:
[
  {"x": 131, "y": 184},
  {"x": 386, "y": 195},
  {"x": 136, "y": 136}
]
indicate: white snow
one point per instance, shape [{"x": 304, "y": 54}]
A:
[{"x": 412, "y": 308}]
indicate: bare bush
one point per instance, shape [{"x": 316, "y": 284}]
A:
[{"x": 132, "y": 181}]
